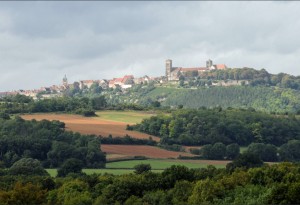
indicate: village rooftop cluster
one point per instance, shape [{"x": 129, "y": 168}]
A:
[{"x": 173, "y": 74}]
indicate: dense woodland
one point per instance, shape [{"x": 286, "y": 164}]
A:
[
  {"x": 276, "y": 184},
  {"x": 208, "y": 126},
  {"x": 47, "y": 142}
]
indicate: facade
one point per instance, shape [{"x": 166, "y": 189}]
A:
[
  {"x": 174, "y": 73},
  {"x": 125, "y": 82}
]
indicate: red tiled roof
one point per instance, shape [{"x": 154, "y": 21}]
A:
[
  {"x": 221, "y": 66},
  {"x": 193, "y": 69}
]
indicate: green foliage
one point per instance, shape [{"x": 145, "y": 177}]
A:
[
  {"x": 61, "y": 104},
  {"x": 245, "y": 160},
  {"x": 142, "y": 168},
  {"x": 47, "y": 142},
  {"x": 265, "y": 152},
  {"x": 70, "y": 166},
  {"x": 27, "y": 166},
  {"x": 232, "y": 151},
  {"x": 210, "y": 126},
  {"x": 290, "y": 151}
]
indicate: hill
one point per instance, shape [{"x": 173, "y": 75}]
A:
[{"x": 262, "y": 98}]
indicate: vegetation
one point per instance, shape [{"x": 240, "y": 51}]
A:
[
  {"x": 210, "y": 126},
  {"x": 261, "y": 184},
  {"x": 84, "y": 106},
  {"x": 47, "y": 142}
]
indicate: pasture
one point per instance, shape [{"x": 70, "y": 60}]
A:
[
  {"x": 158, "y": 165},
  {"x": 128, "y": 117}
]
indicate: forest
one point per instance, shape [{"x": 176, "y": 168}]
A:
[
  {"x": 242, "y": 182},
  {"x": 207, "y": 126},
  {"x": 47, "y": 142}
]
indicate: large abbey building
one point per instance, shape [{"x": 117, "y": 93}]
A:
[{"x": 173, "y": 73}]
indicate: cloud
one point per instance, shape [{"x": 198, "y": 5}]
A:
[{"x": 42, "y": 41}]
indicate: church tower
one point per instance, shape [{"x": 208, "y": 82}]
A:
[
  {"x": 168, "y": 69},
  {"x": 209, "y": 63},
  {"x": 65, "y": 81}
]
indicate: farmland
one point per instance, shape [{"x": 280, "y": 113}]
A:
[
  {"x": 141, "y": 150},
  {"x": 157, "y": 165},
  {"x": 106, "y": 123}
]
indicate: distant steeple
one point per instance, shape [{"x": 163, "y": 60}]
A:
[{"x": 65, "y": 81}]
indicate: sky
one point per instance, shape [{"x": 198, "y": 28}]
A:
[{"x": 41, "y": 41}]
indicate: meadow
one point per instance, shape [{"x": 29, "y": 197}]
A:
[
  {"x": 129, "y": 117},
  {"x": 157, "y": 165}
]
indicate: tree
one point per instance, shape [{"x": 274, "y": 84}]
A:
[
  {"x": 70, "y": 166},
  {"x": 27, "y": 166},
  {"x": 290, "y": 151},
  {"x": 265, "y": 152},
  {"x": 245, "y": 160},
  {"x": 232, "y": 151},
  {"x": 142, "y": 168},
  {"x": 218, "y": 151}
]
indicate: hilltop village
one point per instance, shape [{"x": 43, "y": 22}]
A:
[{"x": 172, "y": 75}]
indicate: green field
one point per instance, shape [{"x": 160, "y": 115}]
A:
[
  {"x": 158, "y": 164},
  {"x": 53, "y": 172},
  {"x": 124, "y": 116},
  {"x": 125, "y": 167}
]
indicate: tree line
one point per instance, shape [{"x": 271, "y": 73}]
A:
[
  {"x": 208, "y": 126},
  {"x": 255, "y": 184},
  {"x": 22, "y": 104},
  {"x": 47, "y": 142}
]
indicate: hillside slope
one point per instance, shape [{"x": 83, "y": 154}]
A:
[{"x": 269, "y": 99}]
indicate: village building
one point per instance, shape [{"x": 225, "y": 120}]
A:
[
  {"x": 125, "y": 82},
  {"x": 174, "y": 73}
]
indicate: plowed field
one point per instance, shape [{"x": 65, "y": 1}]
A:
[
  {"x": 95, "y": 126},
  {"x": 141, "y": 150}
]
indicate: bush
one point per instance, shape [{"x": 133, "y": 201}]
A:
[
  {"x": 70, "y": 166},
  {"x": 142, "y": 168},
  {"x": 27, "y": 166}
]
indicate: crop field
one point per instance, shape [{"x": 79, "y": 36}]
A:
[
  {"x": 128, "y": 117},
  {"x": 108, "y": 122},
  {"x": 141, "y": 150}
]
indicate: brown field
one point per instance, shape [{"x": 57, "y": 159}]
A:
[
  {"x": 85, "y": 125},
  {"x": 141, "y": 150},
  {"x": 188, "y": 148}
]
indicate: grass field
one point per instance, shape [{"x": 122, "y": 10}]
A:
[
  {"x": 130, "y": 117},
  {"x": 126, "y": 167},
  {"x": 163, "y": 164}
]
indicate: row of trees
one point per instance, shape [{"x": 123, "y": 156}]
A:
[
  {"x": 209, "y": 126},
  {"x": 23, "y": 104},
  {"x": 48, "y": 142},
  {"x": 289, "y": 151},
  {"x": 276, "y": 184}
]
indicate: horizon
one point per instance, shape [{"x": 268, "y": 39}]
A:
[{"x": 42, "y": 41}]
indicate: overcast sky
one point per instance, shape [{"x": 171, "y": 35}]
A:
[{"x": 42, "y": 41}]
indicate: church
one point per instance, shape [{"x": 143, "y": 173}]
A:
[{"x": 173, "y": 73}]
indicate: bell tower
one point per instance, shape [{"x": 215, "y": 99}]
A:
[
  {"x": 168, "y": 68},
  {"x": 65, "y": 81}
]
